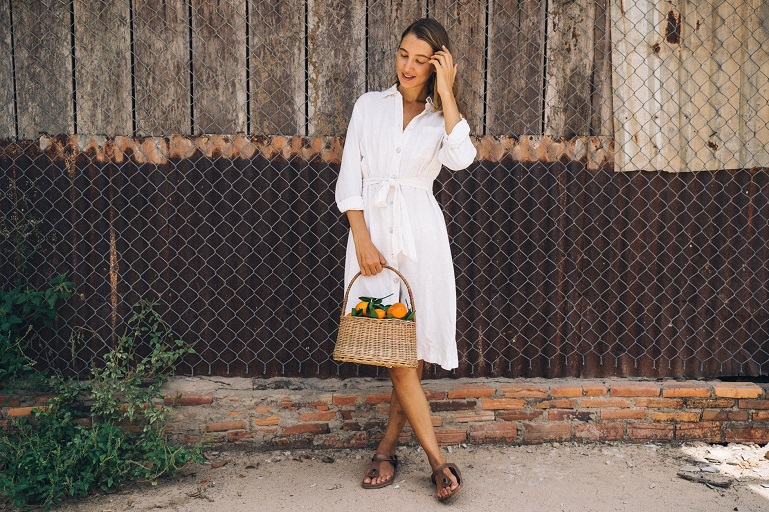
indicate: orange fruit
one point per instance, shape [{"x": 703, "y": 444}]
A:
[
  {"x": 362, "y": 307},
  {"x": 398, "y": 310},
  {"x": 380, "y": 313}
]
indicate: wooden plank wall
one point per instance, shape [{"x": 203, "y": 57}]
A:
[{"x": 293, "y": 67}]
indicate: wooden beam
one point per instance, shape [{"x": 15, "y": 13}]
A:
[
  {"x": 386, "y": 21},
  {"x": 161, "y": 67},
  {"x": 7, "y": 123},
  {"x": 219, "y": 66},
  {"x": 277, "y": 65},
  {"x": 103, "y": 65},
  {"x": 44, "y": 91}
]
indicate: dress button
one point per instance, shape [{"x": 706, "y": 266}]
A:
[
  {"x": 394, "y": 177},
  {"x": 391, "y": 230},
  {"x": 398, "y": 150}
]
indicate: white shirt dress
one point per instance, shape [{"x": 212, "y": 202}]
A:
[{"x": 388, "y": 172}]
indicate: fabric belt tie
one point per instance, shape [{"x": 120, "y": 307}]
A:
[{"x": 402, "y": 239}]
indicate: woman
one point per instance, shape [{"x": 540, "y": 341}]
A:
[{"x": 396, "y": 142}]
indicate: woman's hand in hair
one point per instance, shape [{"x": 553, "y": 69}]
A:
[{"x": 445, "y": 73}]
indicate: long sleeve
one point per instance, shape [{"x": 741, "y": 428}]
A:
[
  {"x": 457, "y": 150},
  {"x": 349, "y": 184}
]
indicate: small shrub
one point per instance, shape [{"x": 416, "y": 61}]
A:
[{"x": 53, "y": 456}]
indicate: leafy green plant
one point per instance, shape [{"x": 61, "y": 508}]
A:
[
  {"x": 65, "y": 451},
  {"x": 21, "y": 310}
]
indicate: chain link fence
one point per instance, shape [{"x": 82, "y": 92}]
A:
[{"x": 186, "y": 151}]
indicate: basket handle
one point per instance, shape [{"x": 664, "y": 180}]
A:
[{"x": 349, "y": 286}]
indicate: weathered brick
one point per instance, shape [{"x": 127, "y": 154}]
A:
[
  {"x": 450, "y": 436},
  {"x": 357, "y": 440},
  {"x": 318, "y": 416},
  {"x": 306, "y": 428},
  {"x": 631, "y": 389},
  {"x": 535, "y": 433},
  {"x": 525, "y": 391},
  {"x": 594, "y": 389},
  {"x": 746, "y": 434},
  {"x": 346, "y": 414},
  {"x": 602, "y": 403},
  {"x": 17, "y": 412},
  {"x": 705, "y": 431},
  {"x": 262, "y": 410},
  {"x": 342, "y": 400},
  {"x": 502, "y": 403},
  {"x": 712, "y": 403},
  {"x": 753, "y": 404},
  {"x": 378, "y": 398},
  {"x": 435, "y": 395},
  {"x": 594, "y": 432},
  {"x": 238, "y": 435},
  {"x": 737, "y": 390},
  {"x": 437, "y": 421},
  {"x": 660, "y": 403},
  {"x": 471, "y": 392},
  {"x": 685, "y": 390},
  {"x": 649, "y": 431},
  {"x": 675, "y": 416},
  {"x": 494, "y": 432},
  {"x": 8, "y": 401},
  {"x": 624, "y": 414},
  {"x": 266, "y": 422},
  {"x": 475, "y": 417},
  {"x": 188, "y": 399},
  {"x": 453, "y": 405},
  {"x": 519, "y": 415},
  {"x": 565, "y": 391},
  {"x": 760, "y": 415},
  {"x": 569, "y": 415},
  {"x": 223, "y": 426},
  {"x": 563, "y": 403},
  {"x": 351, "y": 425},
  {"x": 724, "y": 415}
]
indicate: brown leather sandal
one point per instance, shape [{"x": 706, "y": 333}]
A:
[
  {"x": 374, "y": 470},
  {"x": 443, "y": 482}
]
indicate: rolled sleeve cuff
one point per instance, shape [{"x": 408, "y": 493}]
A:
[
  {"x": 351, "y": 203},
  {"x": 460, "y": 132}
]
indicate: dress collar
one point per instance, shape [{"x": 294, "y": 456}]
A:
[{"x": 392, "y": 91}]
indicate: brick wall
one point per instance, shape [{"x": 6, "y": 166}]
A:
[{"x": 305, "y": 413}]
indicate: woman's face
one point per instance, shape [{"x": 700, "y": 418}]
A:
[{"x": 413, "y": 63}]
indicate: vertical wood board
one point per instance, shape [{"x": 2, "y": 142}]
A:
[
  {"x": 7, "y": 123},
  {"x": 465, "y": 21},
  {"x": 570, "y": 60},
  {"x": 103, "y": 67},
  {"x": 387, "y": 19},
  {"x": 43, "y": 67},
  {"x": 219, "y": 66},
  {"x": 689, "y": 78},
  {"x": 516, "y": 63},
  {"x": 336, "y": 58},
  {"x": 161, "y": 67},
  {"x": 277, "y": 66},
  {"x": 601, "y": 112}
]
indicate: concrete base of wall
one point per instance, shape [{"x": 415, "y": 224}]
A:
[{"x": 314, "y": 413}]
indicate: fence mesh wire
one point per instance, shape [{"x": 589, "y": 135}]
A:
[{"x": 186, "y": 152}]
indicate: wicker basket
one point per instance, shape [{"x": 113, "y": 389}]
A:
[{"x": 380, "y": 342}]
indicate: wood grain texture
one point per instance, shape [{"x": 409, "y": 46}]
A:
[
  {"x": 601, "y": 122},
  {"x": 219, "y": 66},
  {"x": 465, "y": 21},
  {"x": 43, "y": 67},
  {"x": 7, "y": 123},
  {"x": 570, "y": 59},
  {"x": 103, "y": 65},
  {"x": 277, "y": 64},
  {"x": 690, "y": 86},
  {"x": 387, "y": 19},
  {"x": 161, "y": 67},
  {"x": 336, "y": 62},
  {"x": 516, "y": 67}
]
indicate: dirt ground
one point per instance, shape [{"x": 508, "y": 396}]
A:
[{"x": 550, "y": 477}]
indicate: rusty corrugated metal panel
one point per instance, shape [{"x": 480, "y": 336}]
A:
[{"x": 562, "y": 270}]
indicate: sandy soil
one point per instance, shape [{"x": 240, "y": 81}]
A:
[{"x": 551, "y": 477}]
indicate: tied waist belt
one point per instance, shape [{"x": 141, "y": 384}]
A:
[{"x": 402, "y": 240}]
